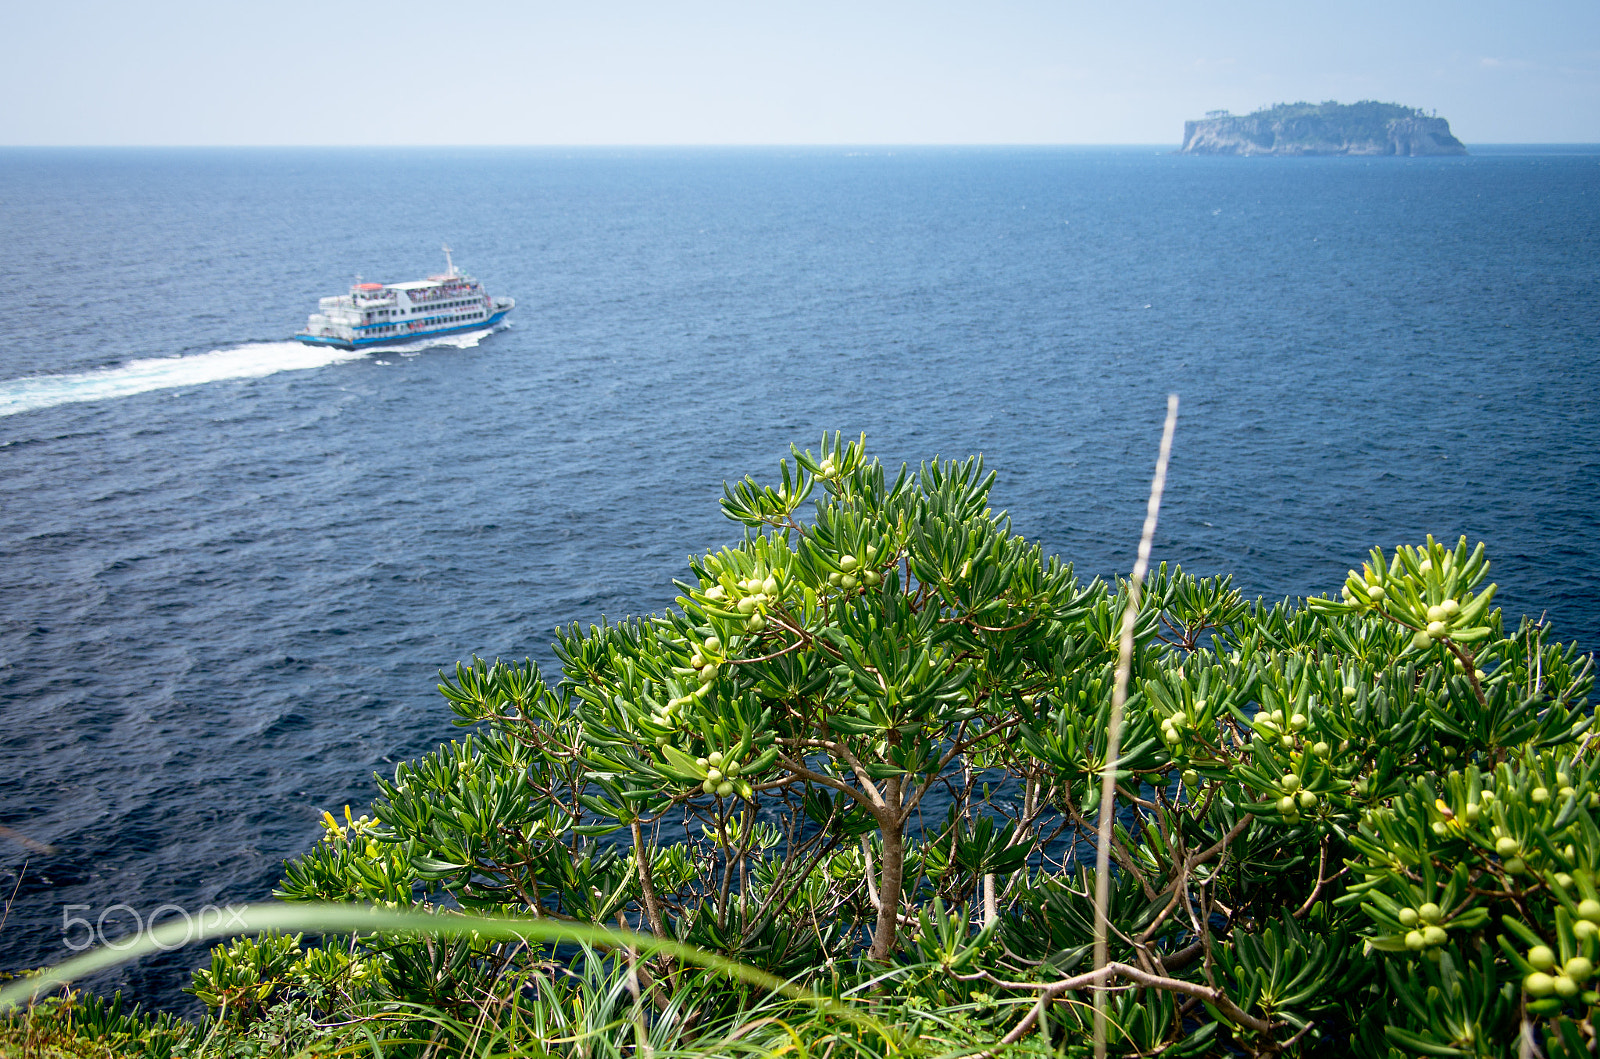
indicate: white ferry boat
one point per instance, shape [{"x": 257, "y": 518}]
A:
[{"x": 375, "y": 313}]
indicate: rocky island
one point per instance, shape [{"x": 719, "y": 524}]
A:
[{"x": 1365, "y": 128}]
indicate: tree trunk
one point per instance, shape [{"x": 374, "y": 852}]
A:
[
  {"x": 647, "y": 886},
  {"x": 891, "y": 880}
]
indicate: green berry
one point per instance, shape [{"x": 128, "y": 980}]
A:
[
  {"x": 1422, "y": 641},
  {"x": 1539, "y": 984},
  {"x": 1541, "y": 958},
  {"x": 1507, "y": 846},
  {"x": 1589, "y": 909},
  {"x": 847, "y": 563},
  {"x": 1437, "y": 629},
  {"x": 1190, "y": 777},
  {"x": 1434, "y": 936},
  {"x": 1540, "y": 795},
  {"x": 1408, "y": 917},
  {"x": 872, "y": 577},
  {"x": 1430, "y": 912},
  {"x": 1451, "y": 608},
  {"x": 713, "y": 644},
  {"x": 1415, "y": 941},
  {"x": 1308, "y": 800},
  {"x": 1290, "y": 782},
  {"x": 1320, "y": 749},
  {"x": 1376, "y": 593},
  {"x": 724, "y": 789},
  {"x": 1566, "y": 988},
  {"x": 1579, "y": 968}
]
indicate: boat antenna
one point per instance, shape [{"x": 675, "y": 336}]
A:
[{"x": 449, "y": 266}]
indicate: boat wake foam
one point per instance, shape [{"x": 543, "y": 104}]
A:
[{"x": 250, "y": 361}]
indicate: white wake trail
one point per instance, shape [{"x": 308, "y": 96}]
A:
[{"x": 162, "y": 373}]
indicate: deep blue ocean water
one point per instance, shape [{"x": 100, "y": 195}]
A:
[{"x": 230, "y": 567}]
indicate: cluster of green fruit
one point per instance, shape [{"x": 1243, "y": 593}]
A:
[
  {"x": 1424, "y": 926},
  {"x": 1272, "y": 725},
  {"x": 1565, "y": 983},
  {"x": 704, "y": 661},
  {"x": 722, "y": 776},
  {"x": 1295, "y": 797},
  {"x": 1552, "y": 977},
  {"x": 850, "y": 572},
  {"x": 1172, "y": 727},
  {"x": 1427, "y": 589},
  {"x": 759, "y": 594}
]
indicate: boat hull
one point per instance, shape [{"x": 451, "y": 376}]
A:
[{"x": 390, "y": 340}]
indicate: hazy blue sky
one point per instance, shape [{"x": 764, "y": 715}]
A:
[{"x": 713, "y": 72}]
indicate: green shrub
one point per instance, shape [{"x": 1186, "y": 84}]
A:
[{"x": 864, "y": 752}]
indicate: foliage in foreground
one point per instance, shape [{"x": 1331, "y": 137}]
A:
[{"x": 863, "y": 752}]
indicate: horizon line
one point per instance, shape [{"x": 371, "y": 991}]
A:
[{"x": 684, "y": 146}]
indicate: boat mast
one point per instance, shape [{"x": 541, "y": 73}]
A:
[{"x": 449, "y": 266}]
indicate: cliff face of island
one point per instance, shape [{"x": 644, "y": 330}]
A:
[{"x": 1365, "y": 128}]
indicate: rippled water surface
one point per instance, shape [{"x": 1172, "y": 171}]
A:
[{"x": 230, "y": 566}]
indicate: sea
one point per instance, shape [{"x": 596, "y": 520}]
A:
[{"x": 232, "y": 566}]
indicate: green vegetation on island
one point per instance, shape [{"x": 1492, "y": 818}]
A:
[
  {"x": 1365, "y": 128},
  {"x": 864, "y": 754}
]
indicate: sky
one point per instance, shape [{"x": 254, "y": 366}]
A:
[{"x": 503, "y": 72}]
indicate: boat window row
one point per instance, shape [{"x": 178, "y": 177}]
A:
[
  {"x": 374, "y": 329},
  {"x": 453, "y": 305}
]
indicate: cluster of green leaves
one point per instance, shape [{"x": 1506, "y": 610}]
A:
[
  {"x": 864, "y": 752},
  {"x": 83, "y": 1026}
]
